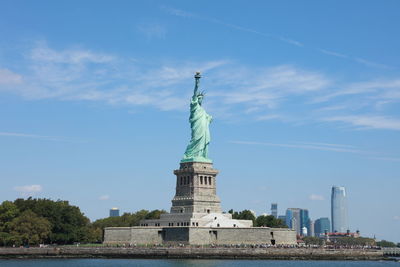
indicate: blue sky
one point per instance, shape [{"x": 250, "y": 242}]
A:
[{"x": 305, "y": 95}]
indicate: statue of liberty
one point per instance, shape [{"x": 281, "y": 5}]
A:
[{"x": 197, "y": 150}]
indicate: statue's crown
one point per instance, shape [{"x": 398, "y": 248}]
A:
[{"x": 201, "y": 93}]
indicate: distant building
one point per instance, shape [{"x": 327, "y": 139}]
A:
[
  {"x": 304, "y": 231},
  {"x": 322, "y": 226},
  {"x": 274, "y": 210},
  {"x": 332, "y": 237},
  {"x": 339, "y": 210},
  {"x": 114, "y": 212},
  {"x": 304, "y": 220},
  {"x": 293, "y": 219},
  {"x": 297, "y": 219},
  {"x": 312, "y": 228}
]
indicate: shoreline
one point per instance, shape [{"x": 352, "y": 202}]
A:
[{"x": 194, "y": 253}]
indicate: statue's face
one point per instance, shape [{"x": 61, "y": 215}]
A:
[{"x": 200, "y": 99}]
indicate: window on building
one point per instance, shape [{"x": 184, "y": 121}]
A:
[
  {"x": 201, "y": 179},
  {"x": 181, "y": 180},
  {"x": 209, "y": 180},
  {"x": 205, "y": 180}
]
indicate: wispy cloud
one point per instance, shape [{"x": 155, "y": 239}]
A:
[
  {"x": 29, "y": 136},
  {"x": 28, "y": 190},
  {"x": 104, "y": 197},
  {"x": 316, "y": 197},
  {"x": 329, "y": 147},
  {"x": 185, "y": 14},
  {"x": 41, "y": 52},
  {"x": 81, "y": 74},
  {"x": 290, "y": 41},
  {"x": 42, "y": 137},
  {"x": 311, "y": 146},
  {"x": 268, "y": 86},
  {"x": 394, "y": 159},
  {"x": 8, "y": 77},
  {"x": 152, "y": 30},
  {"x": 369, "y": 122},
  {"x": 268, "y": 117},
  {"x": 380, "y": 89},
  {"x": 332, "y": 53},
  {"x": 248, "y": 92},
  {"x": 177, "y": 12},
  {"x": 372, "y": 64}
]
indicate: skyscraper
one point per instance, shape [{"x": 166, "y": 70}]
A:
[
  {"x": 321, "y": 225},
  {"x": 311, "y": 231},
  {"x": 297, "y": 219},
  {"x": 339, "y": 209},
  {"x": 304, "y": 220},
  {"x": 274, "y": 210},
  {"x": 293, "y": 219},
  {"x": 114, "y": 212}
]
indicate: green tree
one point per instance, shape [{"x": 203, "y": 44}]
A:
[
  {"x": 8, "y": 211},
  {"x": 68, "y": 224},
  {"x": 5, "y": 238},
  {"x": 312, "y": 240},
  {"x": 155, "y": 214},
  {"x": 386, "y": 244},
  {"x": 29, "y": 228},
  {"x": 243, "y": 215},
  {"x": 269, "y": 221},
  {"x": 126, "y": 220}
]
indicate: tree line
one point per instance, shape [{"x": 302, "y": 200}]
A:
[
  {"x": 43, "y": 221},
  {"x": 260, "y": 221}
]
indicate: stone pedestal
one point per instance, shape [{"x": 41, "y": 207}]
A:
[
  {"x": 196, "y": 189},
  {"x": 196, "y": 202}
]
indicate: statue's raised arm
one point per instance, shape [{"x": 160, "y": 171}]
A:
[{"x": 196, "y": 85}]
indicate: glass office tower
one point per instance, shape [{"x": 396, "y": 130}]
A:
[
  {"x": 114, "y": 212},
  {"x": 339, "y": 209},
  {"x": 274, "y": 210},
  {"x": 321, "y": 225},
  {"x": 297, "y": 219},
  {"x": 304, "y": 220}
]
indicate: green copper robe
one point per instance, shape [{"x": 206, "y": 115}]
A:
[{"x": 197, "y": 150}]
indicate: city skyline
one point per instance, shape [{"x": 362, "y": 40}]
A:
[{"x": 94, "y": 98}]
